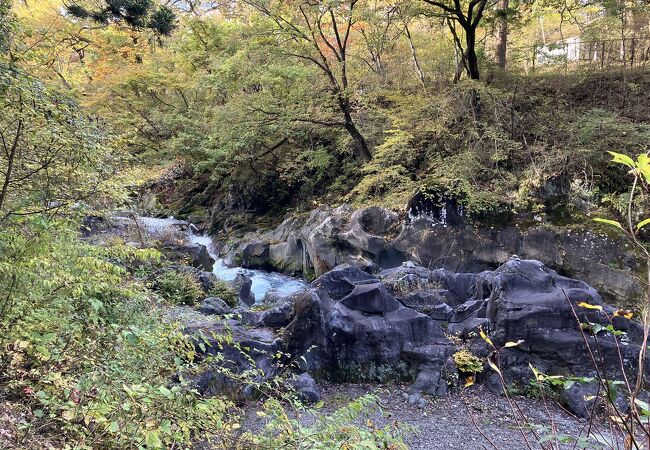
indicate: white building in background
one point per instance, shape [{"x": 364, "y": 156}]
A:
[
  {"x": 573, "y": 45},
  {"x": 566, "y": 50}
]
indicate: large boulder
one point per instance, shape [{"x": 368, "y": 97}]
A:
[
  {"x": 340, "y": 281},
  {"x": 410, "y": 277},
  {"x": 278, "y": 316},
  {"x": 214, "y": 306},
  {"x": 306, "y": 388},
  {"x": 246, "y": 351},
  {"x": 255, "y": 254},
  {"x": 430, "y": 302},
  {"x": 371, "y": 298},
  {"x": 196, "y": 254},
  {"x": 351, "y": 321},
  {"x": 326, "y": 238},
  {"x": 334, "y": 338},
  {"x": 597, "y": 258},
  {"x": 531, "y": 303},
  {"x": 371, "y": 230}
]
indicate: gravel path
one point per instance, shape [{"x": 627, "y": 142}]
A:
[{"x": 453, "y": 423}]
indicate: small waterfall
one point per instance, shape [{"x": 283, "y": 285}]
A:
[{"x": 262, "y": 281}]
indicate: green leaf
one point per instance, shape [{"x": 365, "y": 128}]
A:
[
  {"x": 96, "y": 304},
  {"x": 622, "y": 159},
  {"x": 166, "y": 426},
  {"x": 164, "y": 391},
  {"x": 44, "y": 352},
  {"x": 608, "y": 222},
  {"x": 645, "y": 171},
  {"x": 642, "y": 224},
  {"x": 131, "y": 338},
  {"x": 152, "y": 439},
  {"x": 113, "y": 427}
]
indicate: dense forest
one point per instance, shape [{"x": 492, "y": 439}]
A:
[{"x": 382, "y": 151}]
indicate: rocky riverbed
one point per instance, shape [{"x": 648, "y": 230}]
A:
[
  {"x": 431, "y": 331},
  {"x": 437, "y": 235}
]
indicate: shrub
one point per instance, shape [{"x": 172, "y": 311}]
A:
[
  {"x": 466, "y": 362},
  {"x": 178, "y": 288},
  {"x": 336, "y": 430},
  {"x": 225, "y": 292},
  {"x": 85, "y": 352}
]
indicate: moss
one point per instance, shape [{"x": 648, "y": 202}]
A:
[{"x": 309, "y": 274}]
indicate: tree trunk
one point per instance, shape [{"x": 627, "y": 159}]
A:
[
  {"x": 362, "y": 151},
  {"x": 414, "y": 56},
  {"x": 470, "y": 53},
  {"x": 10, "y": 164},
  {"x": 502, "y": 34}
]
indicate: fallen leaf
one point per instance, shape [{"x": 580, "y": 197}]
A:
[
  {"x": 623, "y": 313},
  {"x": 588, "y": 306}
]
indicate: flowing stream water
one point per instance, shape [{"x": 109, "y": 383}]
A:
[{"x": 262, "y": 281}]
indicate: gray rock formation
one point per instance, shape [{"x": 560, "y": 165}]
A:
[
  {"x": 214, "y": 306},
  {"x": 306, "y": 388},
  {"x": 250, "y": 350},
  {"x": 338, "y": 328},
  {"x": 242, "y": 285},
  {"x": 376, "y": 237},
  {"x": 197, "y": 254}
]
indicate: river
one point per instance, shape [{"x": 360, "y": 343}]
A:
[{"x": 262, "y": 281}]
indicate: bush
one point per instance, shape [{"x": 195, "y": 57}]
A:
[
  {"x": 86, "y": 354},
  {"x": 225, "y": 292},
  {"x": 466, "y": 362},
  {"x": 179, "y": 288}
]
